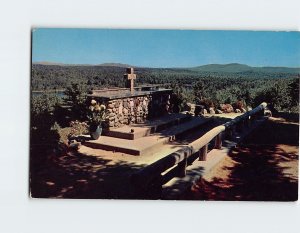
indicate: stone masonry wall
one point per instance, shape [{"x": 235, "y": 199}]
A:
[{"x": 136, "y": 109}]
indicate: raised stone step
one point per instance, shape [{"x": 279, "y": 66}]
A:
[
  {"x": 149, "y": 144},
  {"x": 135, "y": 131}
]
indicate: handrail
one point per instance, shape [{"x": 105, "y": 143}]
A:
[
  {"x": 152, "y": 172},
  {"x": 246, "y": 115}
]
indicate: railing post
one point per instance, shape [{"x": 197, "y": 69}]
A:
[
  {"x": 230, "y": 132},
  {"x": 182, "y": 166},
  {"x": 154, "y": 190},
  {"x": 247, "y": 123},
  {"x": 218, "y": 141},
  {"x": 233, "y": 131},
  {"x": 239, "y": 126},
  {"x": 203, "y": 153}
]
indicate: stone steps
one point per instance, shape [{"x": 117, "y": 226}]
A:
[
  {"x": 135, "y": 131},
  {"x": 148, "y": 144}
]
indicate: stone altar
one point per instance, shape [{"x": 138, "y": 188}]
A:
[{"x": 125, "y": 106}]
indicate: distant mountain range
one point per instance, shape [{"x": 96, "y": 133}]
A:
[
  {"x": 230, "y": 68},
  {"x": 236, "y": 68},
  {"x": 46, "y": 63}
]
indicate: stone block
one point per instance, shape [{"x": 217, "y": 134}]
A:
[
  {"x": 227, "y": 108},
  {"x": 218, "y": 111},
  {"x": 111, "y": 115},
  {"x": 131, "y": 104},
  {"x": 126, "y": 104},
  {"x": 125, "y": 111},
  {"x": 120, "y": 110},
  {"x": 110, "y": 105}
]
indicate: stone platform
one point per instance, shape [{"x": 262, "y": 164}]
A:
[
  {"x": 135, "y": 131},
  {"x": 147, "y": 142}
]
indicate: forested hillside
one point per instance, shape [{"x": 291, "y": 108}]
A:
[
  {"x": 216, "y": 83},
  {"x": 237, "y": 68},
  {"x": 111, "y": 75}
]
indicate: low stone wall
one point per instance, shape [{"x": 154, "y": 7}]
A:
[{"x": 137, "y": 109}]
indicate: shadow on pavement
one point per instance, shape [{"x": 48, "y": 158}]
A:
[{"x": 78, "y": 175}]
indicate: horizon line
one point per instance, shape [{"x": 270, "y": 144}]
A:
[{"x": 130, "y": 65}]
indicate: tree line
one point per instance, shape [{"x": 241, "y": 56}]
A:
[{"x": 278, "y": 88}]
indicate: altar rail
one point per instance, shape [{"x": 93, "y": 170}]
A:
[{"x": 150, "y": 179}]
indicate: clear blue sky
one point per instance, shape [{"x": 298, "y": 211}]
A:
[{"x": 166, "y": 48}]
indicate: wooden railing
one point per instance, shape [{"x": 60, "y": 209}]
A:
[{"x": 151, "y": 178}]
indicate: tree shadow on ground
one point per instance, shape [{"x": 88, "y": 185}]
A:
[
  {"x": 277, "y": 131},
  {"x": 288, "y": 117},
  {"x": 77, "y": 175},
  {"x": 260, "y": 170}
]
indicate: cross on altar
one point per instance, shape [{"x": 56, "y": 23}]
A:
[{"x": 130, "y": 77}]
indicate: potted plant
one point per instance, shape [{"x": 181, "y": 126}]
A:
[{"x": 96, "y": 115}]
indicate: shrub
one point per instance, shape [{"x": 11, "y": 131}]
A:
[
  {"x": 76, "y": 97},
  {"x": 77, "y": 128}
]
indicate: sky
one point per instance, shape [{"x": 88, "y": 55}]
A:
[{"x": 165, "y": 48}]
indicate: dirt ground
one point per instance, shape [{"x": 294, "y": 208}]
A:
[{"x": 263, "y": 168}]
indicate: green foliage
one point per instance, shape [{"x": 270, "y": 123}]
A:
[
  {"x": 76, "y": 97},
  {"x": 218, "y": 83},
  {"x": 44, "y": 134},
  {"x": 59, "y": 77},
  {"x": 276, "y": 95},
  {"x": 181, "y": 96},
  {"x": 42, "y": 108},
  {"x": 293, "y": 89},
  {"x": 241, "y": 68},
  {"x": 199, "y": 91}
]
